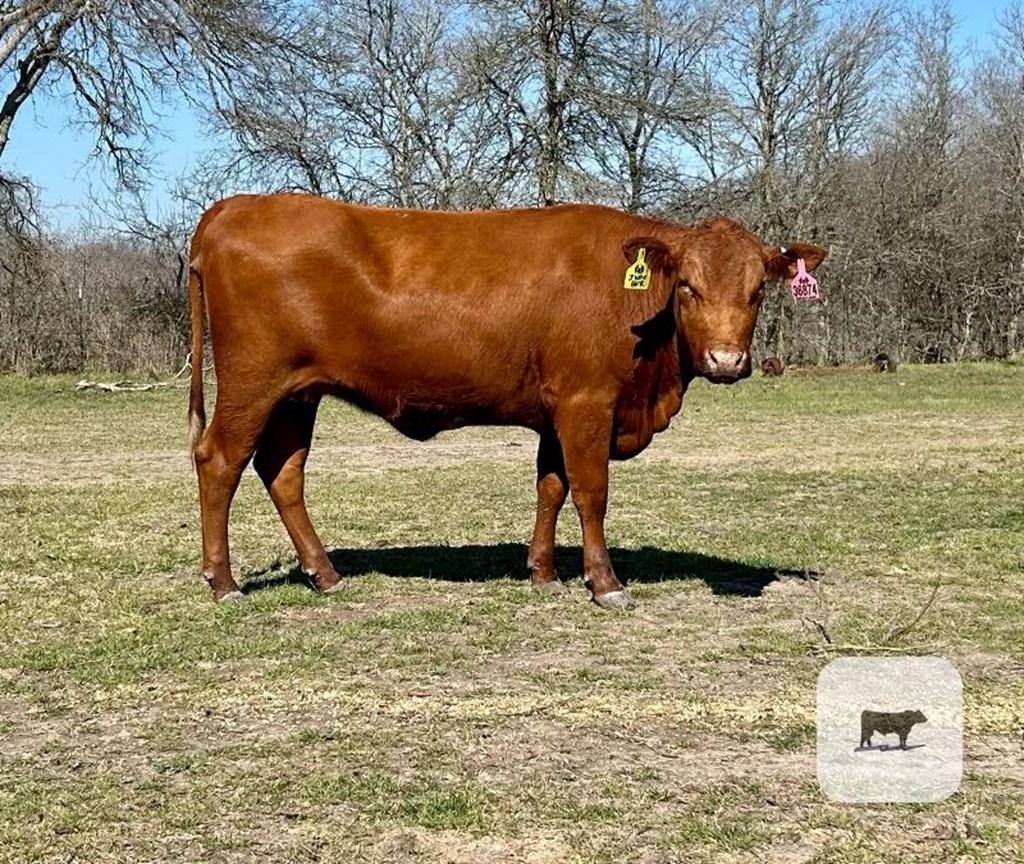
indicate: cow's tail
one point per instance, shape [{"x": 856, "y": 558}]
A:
[
  {"x": 197, "y": 303},
  {"x": 196, "y": 403}
]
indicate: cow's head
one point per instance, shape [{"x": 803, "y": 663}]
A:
[
  {"x": 720, "y": 271},
  {"x": 918, "y": 717}
]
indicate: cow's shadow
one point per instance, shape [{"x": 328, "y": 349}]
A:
[
  {"x": 478, "y": 563},
  {"x": 887, "y": 748}
]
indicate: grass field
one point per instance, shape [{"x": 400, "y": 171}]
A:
[{"x": 439, "y": 711}]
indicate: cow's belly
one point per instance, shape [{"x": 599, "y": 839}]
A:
[
  {"x": 422, "y": 420},
  {"x": 422, "y": 399}
]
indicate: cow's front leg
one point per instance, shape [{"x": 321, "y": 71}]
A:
[
  {"x": 552, "y": 487},
  {"x": 585, "y": 435}
]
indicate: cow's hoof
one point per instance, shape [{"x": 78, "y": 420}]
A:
[
  {"x": 552, "y": 586},
  {"x": 616, "y": 600},
  {"x": 327, "y": 583},
  {"x": 231, "y": 597}
]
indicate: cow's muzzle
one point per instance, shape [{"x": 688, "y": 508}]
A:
[{"x": 723, "y": 366}]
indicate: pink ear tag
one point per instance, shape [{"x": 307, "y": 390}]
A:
[{"x": 804, "y": 285}]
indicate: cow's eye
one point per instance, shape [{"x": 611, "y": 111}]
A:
[{"x": 688, "y": 289}]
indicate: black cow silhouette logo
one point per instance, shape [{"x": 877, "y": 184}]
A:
[{"x": 886, "y": 723}]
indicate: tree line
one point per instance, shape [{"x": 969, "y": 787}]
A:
[{"x": 864, "y": 127}]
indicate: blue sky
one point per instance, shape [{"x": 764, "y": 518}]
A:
[{"x": 46, "y": 145}]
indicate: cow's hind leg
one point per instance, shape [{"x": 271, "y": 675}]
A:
[
  {"x": 221, "y": 454},
  {"x": 552, "y": 488},
  {"x": 281, "y": 464}
]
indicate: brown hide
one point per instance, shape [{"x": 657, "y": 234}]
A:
[{"x": 435, "y": 320}]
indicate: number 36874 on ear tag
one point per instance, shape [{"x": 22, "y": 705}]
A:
[{"x": 804, "y": 285}]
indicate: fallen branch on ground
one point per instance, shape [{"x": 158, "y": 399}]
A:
[
  {"x": 126, "y": 386},
  {"x": 879, "y": 649},
  {"x": 137, "y": 387}
]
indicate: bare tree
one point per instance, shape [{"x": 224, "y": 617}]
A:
[
  {"x": 531, "y": 57},
  {"x": 119, "y": 61},
  {"x": 393, "y": 115},
  {"x": 645, "y": 89},
  {"x": 20, "y": 265},
  {"x": 998, "y": 141},
  {"x": 921, "y": 178},
  {"x": 414, "y": 127},
  {"x": 798, "y": 77}
]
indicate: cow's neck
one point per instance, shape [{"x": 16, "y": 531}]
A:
[{"x": 653, "y": 393}]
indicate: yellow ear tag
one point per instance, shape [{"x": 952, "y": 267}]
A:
[{"x": 638, "y": 274}]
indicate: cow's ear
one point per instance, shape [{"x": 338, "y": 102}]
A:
[
  {"x": 658, "y": 256},
  {"x": 781, "y": 260}
]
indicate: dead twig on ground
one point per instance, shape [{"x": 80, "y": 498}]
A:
[
  {"x": 884, "y": 645},
  {"x": 895, "y": 632},
  {"x": 821, "y": 626},
  {"x": 640, "y": 742}
]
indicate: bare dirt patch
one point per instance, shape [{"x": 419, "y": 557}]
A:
[
  {"x": 454, "y": 847},
  {"x": 24, "y": 728}
]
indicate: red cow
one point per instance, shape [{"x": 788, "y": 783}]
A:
[{"x": 582, "y": 323}]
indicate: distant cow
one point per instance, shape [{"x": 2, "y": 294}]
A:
[
  {"x": 771, "y": 367},
  {"x": 885, "y": 723},
  {"x": 884, "y": 363},
  {"x": 582, "y": 323}
]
